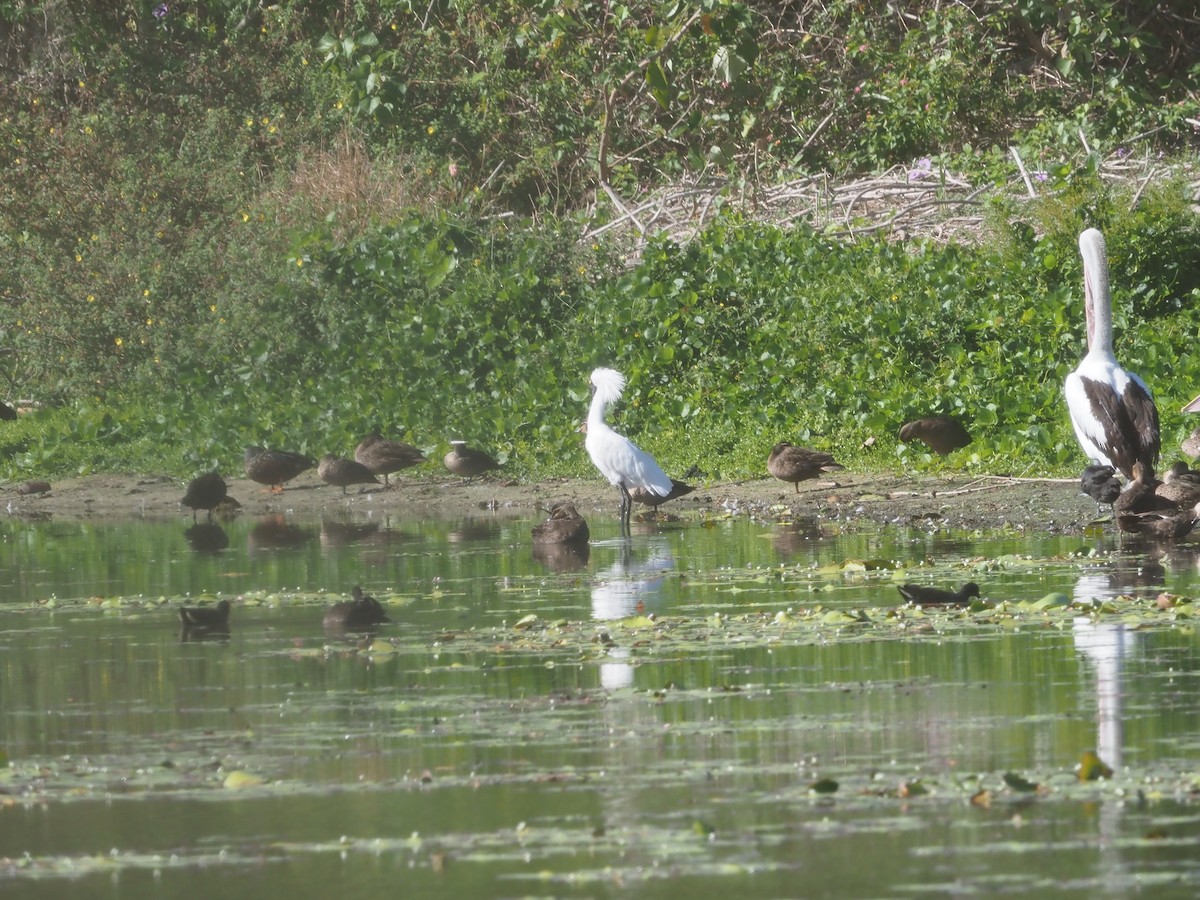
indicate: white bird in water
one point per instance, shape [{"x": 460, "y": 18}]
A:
[
  {"x": 1115, "y": 419},
  {"x": 619, "y": 459}
]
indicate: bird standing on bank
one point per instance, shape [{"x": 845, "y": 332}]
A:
[
  {"x": 788, "y": 462},
  {"x": 941, "y": 434},
  {"x": 342, "y": 472},
  {"x": 383, "y": 457},
  {"x": 274, "y": 467},
  {"x": 467, "y": 462},
  {"x": 205, "y": 492},
  {"x": 1114, "y": 416},
  {"x": 620, "y": 460},
  {"x": 565, "y": 526},
  {"x": 1100, "y": 482}
]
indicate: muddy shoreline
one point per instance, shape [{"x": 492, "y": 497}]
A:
[{"x": 951, "y": 501}]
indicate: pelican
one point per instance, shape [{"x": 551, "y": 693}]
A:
[
  {"x": 619, "y": 459},
  {"x": 1114, "y": 416}
]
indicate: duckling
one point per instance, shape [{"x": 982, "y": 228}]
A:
[
  {"x": 274, "y": 467},
  {"x": 215, "y": 618},
  {"x": 383, "y": 457},
  {"x": 941, "y": 434},
  {"x": 788, "y": 462},
  {"x": 205, "y": 492},
  {"x": 364, "y": 611},
  {"x": 565, "y": 526},
  {"x": 931, "y": 596},
  {"x": 342, "y": 472},
  {"x": 466, "y": 462}
]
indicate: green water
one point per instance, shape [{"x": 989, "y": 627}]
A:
[{"x": 458, "y": 753}]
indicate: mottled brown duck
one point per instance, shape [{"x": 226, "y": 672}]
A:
[
  {"x": 467, "y": 462},
  {"x": 205, "y": 492},
  {"x": 941, "y": 434},
  {"x": 654, "y": 501},
  {"x": 364, "y": 611},
  {"x": 1139, "y": 500},
  {"x": 565, "y": 526},
  {"x": 788, "y": 462},
  {"x": 383, "y": 457},
  {"x": 1180, "y": 485},
  {"x": 342, "y": 472},
  {"x": 931, "y": 596},
  {"x": 275, "y": 467},
  {"x": 212, "y": 617},
  {"x": 1191, "y": 444}
]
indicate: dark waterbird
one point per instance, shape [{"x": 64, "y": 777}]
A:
[
  {"x": 1150, "y": 507},
  {"x": 274, "y": 467},
  {"x": 342, "y": 472},
  {"x": 383, "y": 457},
  {"x": 1180, "y": 485},
  {"x": 467, "y": 462},
  {"x": 941, "y": 434},
  {"x": 205, "y": 492},
  {"x": 1100, "y": 482},
  {"x": 215, "y": 618},
  {"x": 931, "y": 596},
  {"x": 788, "y": 462},
  {"x": 565, "y": 526},
  {"x": 364, "y": 611}
]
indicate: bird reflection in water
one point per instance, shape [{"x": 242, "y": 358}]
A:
[
  {"x": 340, "y": 533},
  {"x": 275, "y": 532},
  {"x": 473, "y": 530},
  {"x": 627, "y": 587},
  {"x": 206, "y": 537},
  {"x": 562, "y": 557},
  {"x": 1107, "y": 645}
]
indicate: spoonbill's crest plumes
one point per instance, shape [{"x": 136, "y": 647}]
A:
[{"x": 623, "y": 463}]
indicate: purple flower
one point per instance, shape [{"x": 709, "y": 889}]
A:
[
  {"x": 924, "y": 168},
  {"x": 1040, "y": 176},
  {"x": 161, "y": 11}
]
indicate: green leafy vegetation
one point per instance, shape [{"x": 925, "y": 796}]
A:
[{"x": 302, "y": 222}]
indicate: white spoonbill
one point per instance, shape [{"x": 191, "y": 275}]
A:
[
  {"x": 619, "y": 459},
  {"x": 1115, "y": 419}
]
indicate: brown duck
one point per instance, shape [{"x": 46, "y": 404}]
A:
[
  {"x": 941, "y": 434},
  {"x": 1180, "y": 485},
  {"x": 383, "y": 457},
  {"x": 653, "y": 500},
  {"x": 788, "y": 462},
  {"x": 342, "y": 472},
  {"x": 1191, "y": 444},
  {"x": 274, "y": 467},
  {"x": 466, "y": 462},
  {"x": 205, "y": 492},
  {"x": 565, "y": 526},
  {"x": 364, "y": 611},
  {"x": 215, "y": 618}
]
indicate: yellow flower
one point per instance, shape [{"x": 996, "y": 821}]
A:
[
  {"x": 91, "y": 298},
  {"x": 149, "y": 321},
  {"x": 299, "y": 263},
  {"x": 146, "y": 293},
  {"x": 212, "y": 307},
  {"x": 245, "y": 217},
  {"x": 119, "y": 342},
  {"x": 266, "y": 120},
  {"x": 431, "y": 129},
  {"x": 249, "y": 123},
  {"x": 78, "y": 258}
]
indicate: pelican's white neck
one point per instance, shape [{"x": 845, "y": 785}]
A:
[{"x": 1097, "y": 299}]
